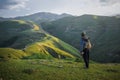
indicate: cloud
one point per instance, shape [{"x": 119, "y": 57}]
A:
[
  {"x": 80, "y": 7},
  {"x": 12, "y": 4},
  {"x": 109, "y": 2},
  {"x": 13, "y": 8}
]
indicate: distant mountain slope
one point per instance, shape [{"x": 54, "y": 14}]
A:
[
  {"x": 4, "y": 19},
  {"x": 34, "y": 41},
  {"x": 42, "y": 17},
  {"x": 38, "y": 17},
  {"x": 103, "y": 31}
]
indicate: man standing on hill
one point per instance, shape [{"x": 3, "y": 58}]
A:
[{"x": 85, "y": 45}]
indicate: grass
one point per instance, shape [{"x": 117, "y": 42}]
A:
[
  {"x": 52, "y": 46},
  {"x": 9, "y": 53},
  {"x": 40, "y": 69},
  {"x": 19, "y": 21},
  {"x": 36, "y": 28}
]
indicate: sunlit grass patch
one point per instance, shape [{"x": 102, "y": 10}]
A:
[
  {"x": 9, "y": 53},
  {"x": 19, "y": 21},
  {"x": 36, "y": 28}
]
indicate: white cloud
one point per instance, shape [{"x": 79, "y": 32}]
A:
[
  {"x": 12, "y": 4},
  {"x": 75, "y": 7},
  {"x": 79, "y": 7},
  {"x": 109, "y": 2}
]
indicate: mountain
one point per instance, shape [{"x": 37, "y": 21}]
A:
[
  {"x": 102, "y": 30},
  {"x": 42, "y": 17},
  {"x": 5, "y": 19},
  {"x": 39, "y": 17},
  {"x": 24, "y": 39},
  {"x": 117, "y": 16}
]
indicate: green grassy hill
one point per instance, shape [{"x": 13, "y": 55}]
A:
[
  {"x": 102, "y": 30},
  {"x": 56, "y": 70},
  {"x": 16, "y": 35}
]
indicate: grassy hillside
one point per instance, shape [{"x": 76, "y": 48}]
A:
[
  {"x": 19, "y": 34},
  {"x": 31, "y": 40},
  {"x": 56, "y": 70},
  {"x": 9, "y": 53},
  {"x": 53, "y": 46},
  {"x": 103, "y": 32}
]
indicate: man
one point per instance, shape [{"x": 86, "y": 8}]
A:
[{"x": 84, "y": 48}]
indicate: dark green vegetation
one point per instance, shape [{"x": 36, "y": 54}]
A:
[
  {"x": 30, "y": 41},
  {"x": 103, "y": 31},
  {"x": 56, "y": 70}
]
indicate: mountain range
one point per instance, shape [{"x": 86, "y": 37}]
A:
[
  {"x": 102, "y": 30},
  {"x": 38, "y": 17}
]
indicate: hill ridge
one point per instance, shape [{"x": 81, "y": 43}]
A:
[{"x": 26, "y": 36}]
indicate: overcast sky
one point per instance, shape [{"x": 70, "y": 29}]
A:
[{"x": 13, "y": 8}]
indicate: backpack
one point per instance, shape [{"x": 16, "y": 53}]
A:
[{"x": 88, "y": 45}]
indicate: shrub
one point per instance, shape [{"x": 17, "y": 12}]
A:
[{"x": 28, "y": 71}]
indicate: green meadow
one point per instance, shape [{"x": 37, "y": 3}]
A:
[{"x": 56, "y": 69}]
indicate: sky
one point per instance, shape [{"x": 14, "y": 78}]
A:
[{"x": 13, "y": 8}]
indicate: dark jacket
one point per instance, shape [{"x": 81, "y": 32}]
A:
[{"x": 83, "y": 43}]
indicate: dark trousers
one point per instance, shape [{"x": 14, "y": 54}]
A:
[{"x": 86, "y": 57}]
